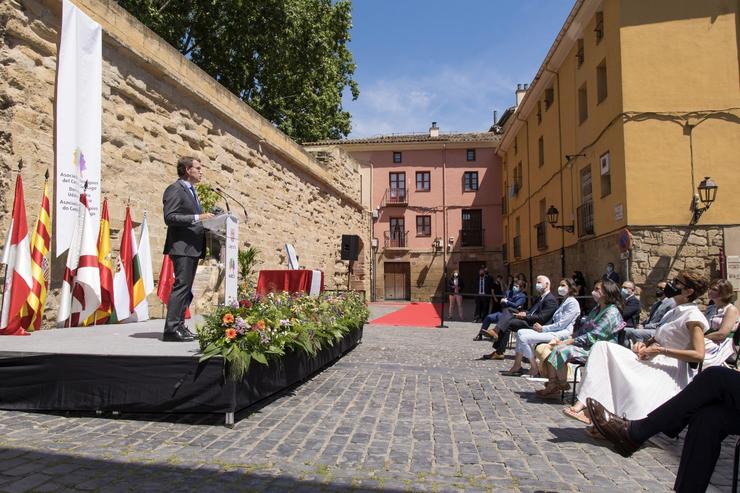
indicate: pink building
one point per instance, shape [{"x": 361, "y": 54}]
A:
[{"x": 436, "y": 202}]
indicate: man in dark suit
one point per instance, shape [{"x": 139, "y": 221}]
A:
[
  {"x": 541, "y": 312},
  {"x": 185, "y": 243},
  {"x": 483, "y": 294},
  {"x": 631, "y": 311},
  {"x": 611, "y": 274}
]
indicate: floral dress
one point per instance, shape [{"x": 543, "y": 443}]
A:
[{"x": 598, "y": 325}]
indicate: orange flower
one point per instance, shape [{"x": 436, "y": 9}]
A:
[
  {"x": 231, "y": 334},
  {"x": 260, "y": 325},
  {"x": 228, "y": 319}
]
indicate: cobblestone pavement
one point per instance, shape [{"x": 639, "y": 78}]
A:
[{"x": 410, "y": 409}]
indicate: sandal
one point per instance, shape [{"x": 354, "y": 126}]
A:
[
  {"x": 515, "y": 373},
  {"x": 594, "y": 433},
  {"x": 578, "y": 415}
]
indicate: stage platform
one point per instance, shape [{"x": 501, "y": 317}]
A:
[{"x": 128, "y": 368}]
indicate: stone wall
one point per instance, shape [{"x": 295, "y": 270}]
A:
[{"x": 158, "y": 106}]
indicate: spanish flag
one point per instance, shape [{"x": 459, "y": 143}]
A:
[
  {"x": 105, "y": 264},
  {"x": 40, "y": 244}
]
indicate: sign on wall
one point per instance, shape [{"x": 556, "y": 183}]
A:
[{"x": 78, "y": 120}]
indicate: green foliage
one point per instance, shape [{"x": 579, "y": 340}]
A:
[
  {"x": 206, "y": 196},
  {"x": 287, "y": 58},
  {"x": 247, "y": 262},
  {"x": 263, "y": 328}
]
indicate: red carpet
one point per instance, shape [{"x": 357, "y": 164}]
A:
[{"x": 413, "y": 314}]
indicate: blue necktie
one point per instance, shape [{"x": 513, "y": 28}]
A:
[{"x": 198, "y": 210}]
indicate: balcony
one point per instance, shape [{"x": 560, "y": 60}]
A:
[
  {"x": 471, "y": 237},
  {"x": 396, "y": 240},
  {"x": 517, "y": 247},
  {"x": 541, "y": 235},
  {"x": 395, "y": 197},
  {"x": 586, "y": 219}
]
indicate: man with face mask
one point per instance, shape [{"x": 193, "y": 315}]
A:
[
  {"x": 644, "y": 331},
  {"x": 483, "y": 292},
  {"x": 541, "y": 312},
  {"x": 631, "y": 312},
  {"x": 611, "y": 274}
]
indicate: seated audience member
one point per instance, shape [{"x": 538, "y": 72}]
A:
[
  {"x": 601, "y": 324},
  {"x": 581, "y": 285},
  {"x": 560, "y": 327},
  {"x": 541, "y": 312},
  {"x": 522, "y": 282},
  {"x": 709, "y": 406},
  {"x": 631, "y": 311},
  {"x": 632, "y": 383},
  {"x": 723, "y": 319},
  {"x": 646, "y": 330},
  {"x": 512, "y": 303}
]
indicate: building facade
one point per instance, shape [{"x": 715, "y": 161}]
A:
[
  {"x": 633, "y": 106},
  {"x": 436, "y": 204}
]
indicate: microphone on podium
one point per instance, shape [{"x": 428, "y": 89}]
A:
[
  {"x": 244, "y": 209},
  {"x": 226, "y": 201}
]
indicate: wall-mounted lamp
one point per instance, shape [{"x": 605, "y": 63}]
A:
[
  {"x": 437, "y": 244},
  {"x": 374, "y": 243},
  {"x": 552, "y": 218},
  {"x": 571, "y": 157},
  {"x": 707, "y": 194}
]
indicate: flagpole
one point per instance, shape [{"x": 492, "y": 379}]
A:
[{"x": 5, "y": 270}]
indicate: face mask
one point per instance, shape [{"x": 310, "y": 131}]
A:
[
  {"x": 562, "y": 290},
  {"x": 659, "y": 293},
  {"x": 455, "y": 274},
  {"x": 670, "y": 290},
  {"x": 596, "y": 295},
  {"x": 609, "y": 269},
  {"x": 539, "y": 287},
  {"x": 712, "y": 295},
  {"x": 515, "y": 289},
  {"x": 625, "y": 293}
]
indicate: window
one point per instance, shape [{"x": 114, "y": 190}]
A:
[
  {"x": 599, "y": 29},
  {"x": 539, "y": 112},
  {"x": 519, "y": 176},
  {"x": 549, "y": 97},
  {"x": 601, "y": 90},
  {"x": 422, "y": 181},
  {"x": 606, "y": 176},
  {"x": 580, "y": 54},
  {"x": 423, "y": 225},
  {"x": 516, "y": 145},
  {"x": 396, "y": 157},
  {"x": 397, "y": 183},
  {"x": 582, "y": 104},
  {"x": 471, "y": 233},
  {"x": 541, "y": 151},
  {"x": 470, "y": 179},
  {"x": 586, "y": 188},
  {"x": 471, "y": 154}
]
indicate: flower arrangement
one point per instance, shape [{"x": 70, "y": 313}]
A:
[{"x": 260, "y": 328}]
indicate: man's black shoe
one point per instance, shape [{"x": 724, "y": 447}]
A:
[
  {"x": 478, "y": 338},
  {"x": 176, "y": 337},
  {"x": 186, "y": 332}
]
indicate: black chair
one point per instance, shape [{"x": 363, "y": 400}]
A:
[{"x": 579, "y": 363}]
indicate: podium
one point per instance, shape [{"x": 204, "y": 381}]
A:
[{"x": 225, "y": 228}]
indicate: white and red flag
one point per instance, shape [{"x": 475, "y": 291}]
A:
[
  {"x": 14, "y": 318},
  {"x": 81, "y": 287}
]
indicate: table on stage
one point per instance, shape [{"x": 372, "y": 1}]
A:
[{"x": 292, "y": 281}]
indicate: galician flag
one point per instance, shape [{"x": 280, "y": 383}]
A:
[
  {"x": 40, "y": 246},
  {"x": 81, "y": 287},
  {"x": 105, "y": 265},
  {"x": 14, "y": 319},
  {"x": 128, "y": 277}
]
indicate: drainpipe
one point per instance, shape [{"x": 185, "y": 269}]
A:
[
  {"x": 560, "y": 157},
  {"x": 444, "y": 218},
  {"x": 529, "y": 200},
  {"x": 373, "y": 263}
]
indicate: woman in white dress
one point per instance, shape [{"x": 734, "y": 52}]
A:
[
  {"x": 633, "y": 382},
  {"x": 723, "y": 319}
]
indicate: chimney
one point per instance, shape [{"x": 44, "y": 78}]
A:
[
  {"x": 521, "y": 90},
  {"x": 434, "y": 130}
]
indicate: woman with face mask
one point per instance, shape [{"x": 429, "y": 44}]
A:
[
  {"x": 560, "y": 327},
  {"x": 601, "y": 324},
  {"x": 723, "y": 318},
  {"x": 455, "y": 287},
  {"x": 631, "y": 383}
]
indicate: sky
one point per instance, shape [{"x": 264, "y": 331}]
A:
[{"x": 452, "y": 62}]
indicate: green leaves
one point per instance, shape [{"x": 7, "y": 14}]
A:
[{"x": 288, "y": 59}]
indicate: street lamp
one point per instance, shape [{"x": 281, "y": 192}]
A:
[
  {"x": 707, "y": 195},
  {"x": 552, "y": 218}
]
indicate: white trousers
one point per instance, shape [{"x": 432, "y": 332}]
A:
[{"x": 527, "y": 339}]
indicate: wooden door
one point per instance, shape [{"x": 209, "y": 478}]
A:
[{"x": 397, "y": 280}]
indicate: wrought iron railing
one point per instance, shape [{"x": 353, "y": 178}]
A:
[
  {"x": 586, "y": 219},
  {"x": 395, "y": 197},
  {"x": 517, "y": 247},
  {"x": 396, "y": 239},
  {"x": 541, "y": 235}
]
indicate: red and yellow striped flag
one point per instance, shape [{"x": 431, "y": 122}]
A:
[
  {"x": 105, "y": 264},
  {"x": 40, "y": 244}
]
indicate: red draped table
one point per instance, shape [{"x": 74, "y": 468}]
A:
[{"x": 292, "y": 281}]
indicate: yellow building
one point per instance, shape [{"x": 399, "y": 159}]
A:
[{"x": 635, "y": 103}]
